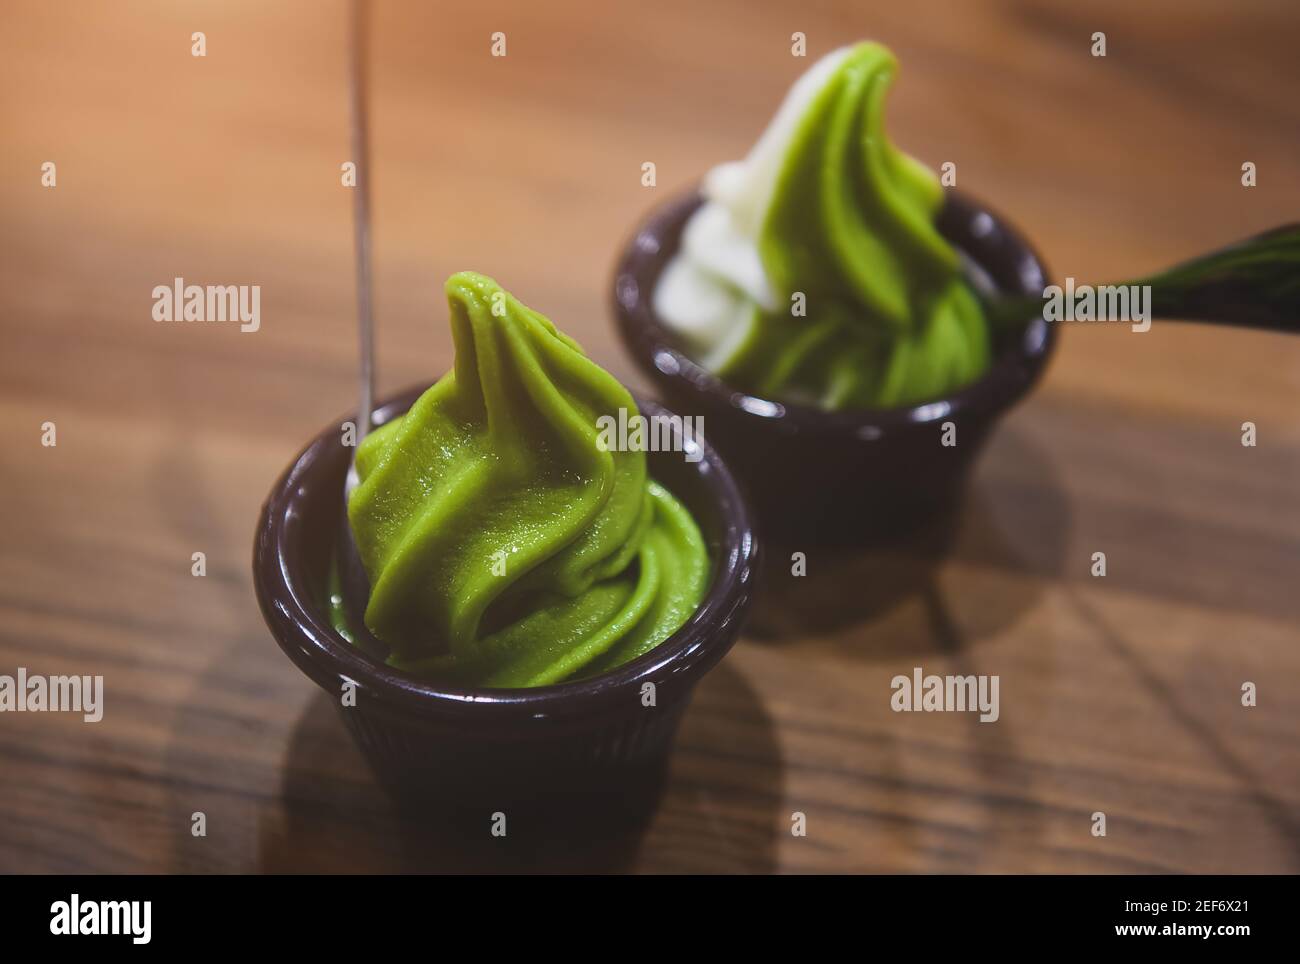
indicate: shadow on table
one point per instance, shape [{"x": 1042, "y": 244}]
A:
[
  {"x": 1015, "y": 523},
  {"x": 333, "y": 817}
]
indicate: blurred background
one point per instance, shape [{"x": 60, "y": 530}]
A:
[{"x": 225, "y": 169}]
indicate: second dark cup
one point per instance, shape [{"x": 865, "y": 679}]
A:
[{"x": 845, "y": 476}]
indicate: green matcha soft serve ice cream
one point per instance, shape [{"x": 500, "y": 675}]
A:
[
  {"x": 814, "y": 272},
  {"x": 504, "y": 545}
]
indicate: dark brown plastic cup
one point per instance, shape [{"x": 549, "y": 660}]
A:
[
  {"x": 815, "y": 476},
  {"x": 592, "y": 742}
]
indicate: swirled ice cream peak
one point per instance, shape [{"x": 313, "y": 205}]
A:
[
  {"x": 504, "y": 545},
  {"x": 814, "y": 270}
]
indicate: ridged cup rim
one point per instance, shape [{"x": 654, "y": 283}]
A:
[{"x": 999, "y": 250}]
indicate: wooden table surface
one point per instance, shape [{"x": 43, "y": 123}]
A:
[{"x": 1118, "y": 694}]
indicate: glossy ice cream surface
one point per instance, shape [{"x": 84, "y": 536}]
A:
[
  {"x": 504, "y": 545},
  {"x": 814, "y": 272}
]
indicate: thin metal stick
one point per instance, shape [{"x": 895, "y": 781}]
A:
[
  {"x": 353, "y": 582},
  {"x": 361, "y": 220}
]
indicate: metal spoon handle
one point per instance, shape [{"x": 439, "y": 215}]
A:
[
  {"x": 1254, "y": 283},
  {"x": 361, "y": 221},
  {"x": 353, "y": 582}
]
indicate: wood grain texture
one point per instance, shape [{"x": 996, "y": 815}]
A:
[{"x": 1119, "y": 695}]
